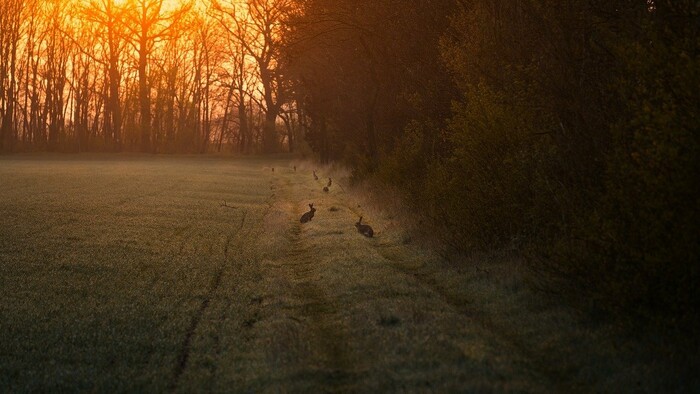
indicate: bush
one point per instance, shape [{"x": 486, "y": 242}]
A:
[
  {"x": 637, "y": 256},
  {"x": 491, "y": 190},
  {"x": 406, "y": 165}
]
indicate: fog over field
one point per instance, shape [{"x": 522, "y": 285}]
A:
[{"x": 129, "y": 273}]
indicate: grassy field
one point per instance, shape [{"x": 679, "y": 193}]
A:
[{"x": 126, "y": 273}]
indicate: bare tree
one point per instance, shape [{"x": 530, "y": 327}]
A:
[
  {"x": 108, "y": 15},
  {"x": 259, "y": 26},
  {"x": 148, "y": 24},
  {"x": 10, "y": 30},
  {"x": 241, "y": 77},
  {"x": 56, "y": 70}
]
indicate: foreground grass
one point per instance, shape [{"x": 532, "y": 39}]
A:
[
  {"x": 105, "y": 262},
  {"x": 126, "y": 274}
]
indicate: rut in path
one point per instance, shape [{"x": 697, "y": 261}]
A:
[
  {"x": 304, "y": 339},
  {"x": 184, "y": 354},
  {"x": 318, "y": 312}
]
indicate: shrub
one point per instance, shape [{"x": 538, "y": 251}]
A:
[
  {"x": 489, "y": 190},
  {"x": 637, "y": 256}
]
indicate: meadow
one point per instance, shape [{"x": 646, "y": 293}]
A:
[{"x": 148, "y": 273}]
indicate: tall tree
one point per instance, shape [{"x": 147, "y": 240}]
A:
[
  {"x": 56, "y": 65},
  {"x": 260, "y": 26},
  {"x": 148, "y": 23},
  {"x": 11, "y": 12},
  {"x": 106, "y": 14},
  {"x": 369, "y": 66},
  {"x": 241, "y": 77}
]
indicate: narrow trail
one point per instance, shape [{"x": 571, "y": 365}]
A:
[
  {"x": 317, "y": 311},
  {"x": 526, "y": 370},
  {"x": 338, "y": 315},
  {"x": 316, "y": 306}
]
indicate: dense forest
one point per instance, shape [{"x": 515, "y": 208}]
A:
[{"x": 567, "y": 130}]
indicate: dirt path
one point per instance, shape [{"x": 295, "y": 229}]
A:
[{"x": 319, "y": 307}]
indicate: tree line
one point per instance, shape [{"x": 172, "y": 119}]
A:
[{"x": 144, "y": 75}]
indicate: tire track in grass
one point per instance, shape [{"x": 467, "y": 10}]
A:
[
  {"x": 185, "y": 349},
  {"x": 318, "y": 309},
  {"x": 326, "y": 366},
  {"x": 232, "y": 241},
  {"x": 184, "y": 355},
  {"x": 536, "y": 365}
]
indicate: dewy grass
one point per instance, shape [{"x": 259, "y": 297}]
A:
[
  {"x": 130, "y": 274},
  {"x": 105, "y": 262}
]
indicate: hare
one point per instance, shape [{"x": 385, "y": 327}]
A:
[
  {"x": 308, "y": 215},
  {"x": 315, "y": 176},
  {"x": 364, "y": 229},
  {"x": 326, "y": 188}
]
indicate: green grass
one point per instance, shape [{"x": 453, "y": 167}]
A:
[
  {"x": 104, "y": 262},
  {"x": 125, "y": 273}
]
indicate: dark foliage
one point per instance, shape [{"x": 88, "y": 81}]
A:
[{"x": 567, "y": 129}]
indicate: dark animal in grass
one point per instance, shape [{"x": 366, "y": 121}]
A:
[
  {"x": 330, "y": 182},
  {"x": 295, "y": 168},
  {"x": 308, "y": 215},
  {"x": 364, "y": 229},
  {"x": 325, "y": 189},
  {"x": 273, "y": 169},
  {"x": 315, "y": 176}
]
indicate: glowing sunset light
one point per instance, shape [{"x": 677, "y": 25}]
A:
[{"x": 140, "y": 64}]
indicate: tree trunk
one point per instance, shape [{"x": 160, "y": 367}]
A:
[
  {"x": 243, "y": 126},
  {"x": 114, "y": 105},
  {"x": 144, "y": 94},
  {"x": 224, "y": 120},
  {"x": 371, "y": 130},
  {"x": 8, "y": 129},
  {"x": 269, "y": 136}
]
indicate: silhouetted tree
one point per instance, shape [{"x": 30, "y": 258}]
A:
[
  {"x": 260, "y": 28},
  {"x": 148, "y": 23}
]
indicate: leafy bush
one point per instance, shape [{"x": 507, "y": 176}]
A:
[
  {"x": 406, "y": 165},
  {"x": 638, "y": 255},
  {"x": 490, "y": 190}
]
